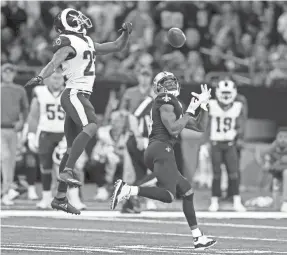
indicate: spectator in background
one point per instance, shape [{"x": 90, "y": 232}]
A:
[
  {"x": 143, "y": 25},
  {"x": 109, "y": 153},
  {"x": 16, "y": 17},
  {"x": 194, "y": 71},
  {"x": 278, "y": 76},
  {"x": 14, "y": 112}
]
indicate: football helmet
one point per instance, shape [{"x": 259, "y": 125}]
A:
[
  {"x": 73, "y": 21},
  {"x": 226, "y": 91},
  {"x": 168, "y": 81}
]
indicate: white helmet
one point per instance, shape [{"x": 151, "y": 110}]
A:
[
  {"x": 168, "y": 81},
  {"x": 226, "y": 91},
  {"x": 72, "y": 20}
]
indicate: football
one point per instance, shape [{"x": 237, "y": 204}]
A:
[{"x": 176, "y": 37}]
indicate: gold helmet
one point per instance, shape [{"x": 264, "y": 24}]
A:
[{"x": 168, "y": 81}]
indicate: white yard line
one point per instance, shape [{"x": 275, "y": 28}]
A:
[
  {"x": 146, "y": 214},
  {"x": 52, "y": 248},
  {"x": 138, "y": 233}
]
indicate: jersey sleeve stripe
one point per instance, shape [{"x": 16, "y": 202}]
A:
[{"x": 78, "y": 107}]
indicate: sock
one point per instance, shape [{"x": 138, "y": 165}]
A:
[
  {"x": 134, "y": 190},
  {"x": 47, "y": 195},
  {"x": 46, "y": 179},
  {"x": 188, "y": 210},
  {"x": 196, "y": 232},
  {"x": 155, "y": 193},
  {"x": 77, "y": 149},
  {"x": 236, "y": 199},
  {"x": 216, "y": 189},
  {"x": 214, "y": 200},
  {"x": 31, "y": 174},
  {"x": 63, "y": 187}
]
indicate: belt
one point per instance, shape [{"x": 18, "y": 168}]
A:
[
  {"x": 223, "y": 142},
  {"x": 8, "y": 126}
]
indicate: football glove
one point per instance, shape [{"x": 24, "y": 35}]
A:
[
  {"x": 35, "y": 81},
  {"x": 194, "y": 104},
  {"x": 32, "y": 142},
  {"x": 127, "y": 26},
  {"x": 203, "y": 97}
]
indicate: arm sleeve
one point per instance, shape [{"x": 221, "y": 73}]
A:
[{"x": 24, "y": 105}]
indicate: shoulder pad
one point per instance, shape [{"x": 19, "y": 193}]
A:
[
  {"x": 166, "y": 98},
  {"x": 37, "y": 91},
  {"x": 60, "y": 42}
]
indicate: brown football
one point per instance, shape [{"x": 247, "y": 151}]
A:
[{"x": 176, "y": 37}]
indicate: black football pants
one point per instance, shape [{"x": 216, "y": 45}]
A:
[{"x": 225, "y": 152}]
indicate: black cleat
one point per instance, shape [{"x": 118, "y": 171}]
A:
[
  {"x": 65, "y": 206},
  {"x": 121, "y": 192},
  {"x": 203, "y": 242},
  {"x": 70, "y": 177}
]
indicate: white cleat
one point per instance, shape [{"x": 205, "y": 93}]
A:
[
  {"x": 102, "y": 194},
  {"x": 214, "y": 207},
  {"x": 32, "y": 195},
  {"x": 121, "y": 192},
  {"x": 6, "y": 200},
  {"x": 44, "y": 204},
  {"x": 284, "y": 207},
  {"x": 150, "y": 205},
  {"x": 203, "y": 242},
  {"x": 12, "y": 194},
  {"x": 239, "y": 207}
]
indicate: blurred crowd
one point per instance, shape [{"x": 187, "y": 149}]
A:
[{"x": 242, "y": 36}]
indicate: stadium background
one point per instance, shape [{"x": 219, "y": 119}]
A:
[{"x": 246, "y": 39}]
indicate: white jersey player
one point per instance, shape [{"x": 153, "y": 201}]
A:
[
  {"x": 46, "y": 129},
  {"x": 76, "y": 53}
]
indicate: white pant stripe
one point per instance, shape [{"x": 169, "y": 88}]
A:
[{"x": 78, "y": 107}]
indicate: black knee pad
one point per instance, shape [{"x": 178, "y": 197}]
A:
[{"x": 91, "y": 129}]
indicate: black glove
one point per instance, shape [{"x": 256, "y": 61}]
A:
[
  {"x": 127, "y": 26},
  {"x": 35, "y": 81}
]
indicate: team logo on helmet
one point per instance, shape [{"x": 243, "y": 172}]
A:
[
  {"x": 226, "y": 91},
  {"x": 168, "y": 81},
  {"x": 73, "y": 21}
]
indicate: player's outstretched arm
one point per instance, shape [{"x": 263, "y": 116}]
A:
[
  {"x": 59, "y": 57},
  {"x": 117, "y": 45},
  {"x": 199, "y": 123},
  {"x": 168, "y": 118}
]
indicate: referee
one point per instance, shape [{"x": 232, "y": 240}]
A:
[{"x": 14, "y": 112}]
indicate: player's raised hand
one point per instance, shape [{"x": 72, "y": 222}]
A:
[
  {"x": 127, "y": 26},
  {"x": 203, "y": 97},
  {"x": 193, "y": 105},
  {"x": 34, "y": 81}
]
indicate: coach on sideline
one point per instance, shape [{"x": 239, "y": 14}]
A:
[{"x": 14, "y": 111}]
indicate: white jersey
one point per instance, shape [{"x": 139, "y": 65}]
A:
[
  {"x": 52, "y": 116},
  {"x": 223, "y": 122},
  {"x": 79, "y": 68}
]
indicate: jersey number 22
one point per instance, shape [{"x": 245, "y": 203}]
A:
[{"x": 91, "y": 56}]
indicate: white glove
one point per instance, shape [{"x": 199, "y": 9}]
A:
[
  {"x": 204, "y": 97},
  {"x": 32, "y": 142},
  {"x": 194, "y": 104}
]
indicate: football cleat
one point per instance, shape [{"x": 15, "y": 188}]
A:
[
  {"x": 214, "y": 207},
  {"x": 203, "y": 242},
  {"x": 284, "y": 207},
  {"x": 44, "y": 204},
  {"x": 121, "y": 192},
  {"x": 70, "y": 177},
  {"x": 65, "y": 206},
  {"x": 239, "y": 207}
]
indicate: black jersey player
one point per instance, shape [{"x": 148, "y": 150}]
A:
[{"x": 167, "y": 121}]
